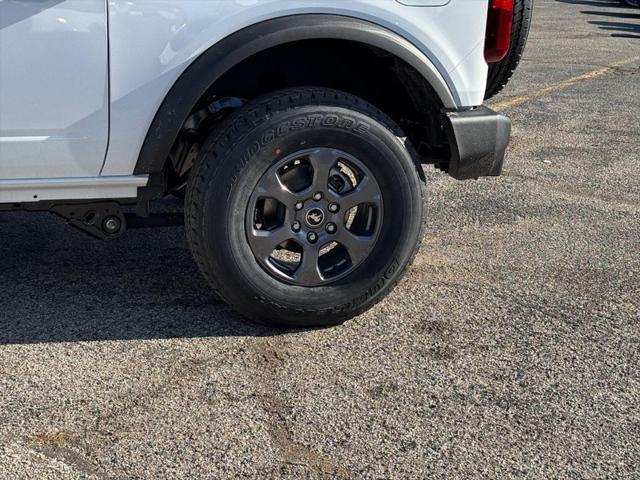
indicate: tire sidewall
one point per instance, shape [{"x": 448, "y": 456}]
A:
[{"x": 276, "y": 137}]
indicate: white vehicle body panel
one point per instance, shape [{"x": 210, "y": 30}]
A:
[
  {"x": 54, "y": 102},
  {"x": 70, "y": 188},
  {"x": 168, "y": 38},
  {"x": 54, "y": 120}
]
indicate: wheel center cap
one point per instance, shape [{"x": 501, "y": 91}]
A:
[{"x": 314, "y": 217}]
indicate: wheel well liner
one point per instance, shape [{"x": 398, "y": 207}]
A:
[{"x": 232, "y": 50}]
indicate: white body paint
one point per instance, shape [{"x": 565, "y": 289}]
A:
[{"x": 81, "y": 80}]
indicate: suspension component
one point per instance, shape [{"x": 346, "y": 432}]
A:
[{"x": 103, "y": 220}]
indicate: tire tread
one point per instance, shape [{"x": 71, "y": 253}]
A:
[
  {"x": 228, "y": 135},
  {"x": 501, "y": 72}
]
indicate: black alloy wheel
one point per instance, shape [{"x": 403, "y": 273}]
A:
[{"x": 314, "y": 217}]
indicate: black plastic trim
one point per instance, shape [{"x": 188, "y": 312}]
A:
[
  {"x": 478, "y": 139},
  {"x": 223, "y": 56}
]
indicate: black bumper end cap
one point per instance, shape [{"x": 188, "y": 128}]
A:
[{"x": 478, "y": 140}]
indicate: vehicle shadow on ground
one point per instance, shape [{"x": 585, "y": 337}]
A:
[
  {"x": 630, "y": 28},
  {"x": 59, "y": 285}
]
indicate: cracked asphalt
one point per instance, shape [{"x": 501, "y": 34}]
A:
[{"x": 510, "y": 350}]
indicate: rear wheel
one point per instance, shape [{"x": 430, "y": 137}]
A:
[
  {"x": 305, "y": 208},
  {"x": 501, "y": 72}
]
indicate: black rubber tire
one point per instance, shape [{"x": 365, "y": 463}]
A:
[
  {"x": 236, "y": 156},
  {"x": 501, "y": 72},
  {"x": 180, "y": 194}
]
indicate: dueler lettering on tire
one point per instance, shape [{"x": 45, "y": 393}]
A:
[{"x": 305, "y": 207}]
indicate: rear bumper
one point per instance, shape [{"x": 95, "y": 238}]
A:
[{"x": 478, "y": 140}]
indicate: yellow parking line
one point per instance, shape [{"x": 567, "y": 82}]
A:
[{"x": 512, "y": 102}]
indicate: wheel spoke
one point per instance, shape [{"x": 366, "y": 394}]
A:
[
  {"x": 365, "y": 192},
  {"x": 315, "y": 215},
  {"x": 263, "y": 242},
  {"x": 308, "y": 271},
  {"x": 322, "y": 161},
  {"x": 358, "y": 246},
  {"x": 271, "y": 187}
]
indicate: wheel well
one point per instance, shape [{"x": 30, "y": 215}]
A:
[{"x": 381, "y": 78}]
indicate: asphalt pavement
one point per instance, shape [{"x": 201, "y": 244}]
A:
[{"x": 510, "y": 349}]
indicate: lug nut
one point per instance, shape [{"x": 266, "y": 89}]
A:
[
  {"x": 334, "y": 208},
  {"x": 299, "y": 205},
  {"x": 312, "y": 237},
  {"x": 296, "y": 226},
  {"x": 112, "y": 225},
  {"x": 317, "y": 196},
  {"x": 331, "y": 228}
]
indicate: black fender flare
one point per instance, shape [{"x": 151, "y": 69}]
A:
[{"x": 232, "y": 50}]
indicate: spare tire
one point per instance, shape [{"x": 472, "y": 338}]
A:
[{"x": 500, "y": 72}]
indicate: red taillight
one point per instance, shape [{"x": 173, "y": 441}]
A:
[{"x": 499, "y": 25}]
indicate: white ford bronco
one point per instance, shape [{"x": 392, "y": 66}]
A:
[{"x": 294, "y": 130}]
